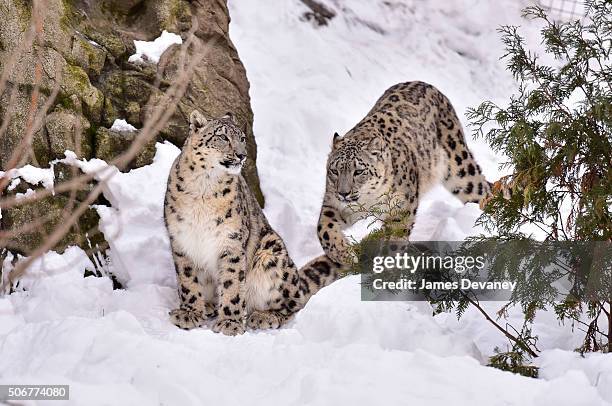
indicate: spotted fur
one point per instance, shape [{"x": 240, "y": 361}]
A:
[
  {"x": 230, "y": 264},
  {"x": 411, "y": 140}
]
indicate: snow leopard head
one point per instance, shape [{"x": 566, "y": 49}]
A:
[
  {"x": 218, "y": 142},
  {"x": 356, "y": 167}
]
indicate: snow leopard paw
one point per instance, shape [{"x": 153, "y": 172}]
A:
[
  {"x": 263, "y": 320},
  {"x": 186, "y": 318},
  {"x": 228, "y": 327}
]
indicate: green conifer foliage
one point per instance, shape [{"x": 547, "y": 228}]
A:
[{"x": 556, "y": 132}]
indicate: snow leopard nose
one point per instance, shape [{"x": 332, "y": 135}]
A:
[
  {"x": 242, "y": 157},
  {"x": 344, "y": 194}
]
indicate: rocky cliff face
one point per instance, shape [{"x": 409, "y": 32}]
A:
[{"x": 84, "y": 47}]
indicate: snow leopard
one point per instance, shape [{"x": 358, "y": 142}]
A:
[
  {"x": 409, "y": 141},
  {"x": 230, "y": 264}
]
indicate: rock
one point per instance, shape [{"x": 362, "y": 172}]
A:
[
  {"x": 64, "y": 173},
  {"x": 219, "y": 84},
  {"x": 18, "y": 109},
  {"x": 77, "y": 82},
  {"x": 110, "y": 144},
  {"x": 124, "y": 7},
  {"x": 132, "y": 111},
  {"x": 109, "y": 114},
  {"x": 67, "y": 130},
  {"x": 108, "y": 39},
  {"x": 175, "y": 16},
  {"x": 88, "y": 55},
  {"x": 136, "y": 87},
  {"x": 126, "y": 93},
  {"x": 49, "y": 213}
]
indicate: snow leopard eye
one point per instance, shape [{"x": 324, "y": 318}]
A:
[
  {"x": 358, "y": 172},
  {"x": 222, "y": 137},
  {"x": 335, "y": 172}
]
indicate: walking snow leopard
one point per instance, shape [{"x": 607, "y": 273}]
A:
[
  {"x": 409, "y": 141},
  {"x": 230, "y": 263}
]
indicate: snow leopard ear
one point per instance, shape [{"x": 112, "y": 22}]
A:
[
  {"x": 229, "y": 116},
  {"x": 196, "y": 120},
  {"x": 336, "y": 138}
]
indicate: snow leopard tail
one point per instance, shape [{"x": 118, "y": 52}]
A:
[{"x": 317, "y": 274}]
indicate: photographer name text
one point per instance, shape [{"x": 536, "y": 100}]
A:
[{"x": 423, "y": 284}]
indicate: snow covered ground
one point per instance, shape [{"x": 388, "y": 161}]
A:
[{"x": 117, "y": 347}]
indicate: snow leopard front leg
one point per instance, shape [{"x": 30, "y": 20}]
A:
[
  {"x": 329, "y": 230},
  {"x": 230, "y": 287},
  {"x": 403, "y": 204},
  {"x": 193, "y": 309}
]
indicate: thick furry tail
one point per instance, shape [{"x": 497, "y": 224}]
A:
[{"x": 317, "y": 274}]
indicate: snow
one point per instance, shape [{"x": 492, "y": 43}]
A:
[
  {"x": 31, "y": 175},
  {"x": 28, "y": 193},
  {"x": 153, "y": 50},
  {"x": 596, "y": 368},
  {"x": 121, "y": 125},
  {"x": 14, "y": 183},
  {"x": 134, "y": 224},
  {"x": 118, "y": 346}
]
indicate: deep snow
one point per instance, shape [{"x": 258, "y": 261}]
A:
[{"x": 117, "y": 347}]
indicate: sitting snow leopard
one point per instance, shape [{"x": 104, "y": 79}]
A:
[
  {"x": 409, "y": 141},
  {"x": 229, "y": 262}
]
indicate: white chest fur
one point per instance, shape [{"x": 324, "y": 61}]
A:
[{"x": 199, "y": 235}]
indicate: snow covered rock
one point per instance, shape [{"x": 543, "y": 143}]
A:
[
  {"x": 121, "y": 125},
  {"x": 152, "y": 50}
]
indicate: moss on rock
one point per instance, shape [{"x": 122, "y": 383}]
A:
[
  {"x": 174, "y": 15},
  {"x": 77, "y": 82},
  {"x": 88, "y": 56},
  {"x": 110, "y": 144}
]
